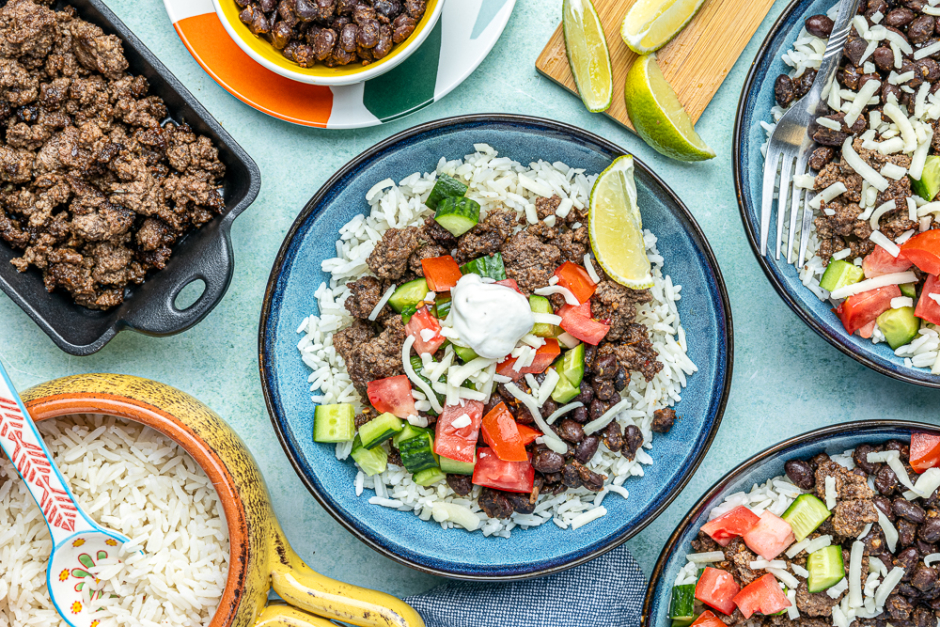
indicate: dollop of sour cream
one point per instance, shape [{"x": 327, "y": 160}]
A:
[{"x": 489, "y": 318}]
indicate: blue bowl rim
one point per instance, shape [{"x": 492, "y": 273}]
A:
[
  {"x": 822, "y": 433},
  {"x": 901, "y": 374},
  {"x": 474, "y": 119}
]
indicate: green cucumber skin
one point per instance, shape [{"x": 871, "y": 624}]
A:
[
  {"x": 417, "y": 453},
  {"x": 371, "y": 461},
  {"x": 490, "y": 266},
  {"x": 829, "y": 556},
  {"x": 445, "y": 187},
  {"x": 379, "y": 429},
  {"x": 408, "y": 295},
  {"x": 683, "y": 603},
  {"x": 458, "y": 215},
  {"x": 345, "y": 431},
  {"x": 429, "y": 477},
  {"x": 453, "y": 467}
]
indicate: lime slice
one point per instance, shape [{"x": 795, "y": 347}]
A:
[
  {"x": 616, "y": 227},
  {"x": 658, "y": 116},
  {"x": 588, "y": 55},
  {"x": 651, "y": 24}
]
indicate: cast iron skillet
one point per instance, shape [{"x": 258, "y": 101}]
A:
[{"x": 204, "y": 254}]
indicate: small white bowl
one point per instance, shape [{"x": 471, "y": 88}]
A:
[{"x": 264, "y": 53}]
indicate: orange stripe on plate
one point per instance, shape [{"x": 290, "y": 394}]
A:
[{"x": 247, "y": 80}]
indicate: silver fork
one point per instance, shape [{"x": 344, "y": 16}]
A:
[{"x": 790, "y": 145}]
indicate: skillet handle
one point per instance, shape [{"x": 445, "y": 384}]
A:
[{"x": 302, "y": 588}]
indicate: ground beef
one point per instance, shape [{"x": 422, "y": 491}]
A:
[
  {"x": 364, "y": 295},
  {"x": 370, "y": 355},
  {"x": 496, "y": 504},
  {"x": 461, "y": 484},
  {"x": 740, "y": 558},
  {"x": 545, "y": 207},
  {"x": 97, "y": 190},
  {"x": 849, "y": 485},
  {"x": 389, "y": 259},
  {"x": 819, "y": 604},
  {"x": 663, "y": 419},
  {"x": 634, "y": 352},
  {"x": 613, "y": 302},
  {"x": 487, "y": 237},
  {"x": 529, "y": 261},
  {"x": 850, "y": 517}
]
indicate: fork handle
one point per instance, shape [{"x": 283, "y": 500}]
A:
[{"x": 841, "y": 28}]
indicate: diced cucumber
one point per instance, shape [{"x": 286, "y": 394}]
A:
[
  {"x": 442, "y": 306},
  {"x": 825, "y": 567},
  {"x": 540, "y": 304},
  {"x": 805, "y": 514},
  {"x": 407, "y": 313},
  {"x": 683, "y": 622},
  {"x": 839, "y": 274},
  {"x": 429, "y": 477},
  {"x": 445, "y": 187},
  {"x": 682, "y": 607},
  {"x": 453, "y": 467},
  {"x": 379, "y": 429},
  {"x": 372, "y": 461},
  {"x": 334, "y": 423},
  {"x": 489, "y": 266},
  {"x": 929, "y": 183},
  {"x": 564, "y": 391},
  {"x": 417, "y": 453},
  {"x": 899, "y": 326},
  {"x": 571, "y": 365},
  {"x": 909, "y": 289},
  {"x": 408, "y": 295},
  {"x": 410, "y": 431},
  {"x": 466, "y": 354},
  {"x": 458, "y": 215}
]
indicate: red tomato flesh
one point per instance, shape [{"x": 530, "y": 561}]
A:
[
  {"x": 732, "y": 525},
  {"x": 511, "y": 284},
  {"x": 717, "y": 589},
  {"x": 861, "y": 309},
  {"x": 927, "y": 308},
  {"x": 923, "y": 250},
  {"x": 879, "y": 262},
  {"x": 492, "y": 472},
  {"x": 545, "y": 356},
  {"x": 770, "y": 537},
  {"x": 419, "y": 322},
  {"x": 528, "y": 434},
  {"x": 393, "y": 396},
  {"x": 925, "y": 451},
  {"x": 763, "y": 596},
  {"x": 577, "y": 321},
  {"x": 501, "y": 433},
  {"x": 459, "y": 444},
  {"x": 441, "y": 273},
  {"x": 868, "y": 330},
  {"x": 707, "y": 619},
  {"x": 576, "y": 279}
]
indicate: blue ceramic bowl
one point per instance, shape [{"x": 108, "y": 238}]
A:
[
  {"x": 758, "y": 469},
  {"x": 756, "y": 100},
  {"x": 454, "y": 553}
]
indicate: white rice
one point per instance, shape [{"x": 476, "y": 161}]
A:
[
  {"x": 493, "y": 181},
  {"x": 133, "y": 480}
]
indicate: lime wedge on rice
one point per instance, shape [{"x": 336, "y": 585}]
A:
[
  {"x": 588, "y": 55},
  {"x": 651, "y": 24},
  {"x": 658, "y": 116},
  {"x": 616, "y": 227}
]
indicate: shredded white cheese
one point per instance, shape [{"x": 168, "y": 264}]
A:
[
  {"x": 833, "y": 191},
  {"x": 902, "y": 301},
  {"x": 882, "y": 240},
  {"x": 705, "y": 558},
  {"x": 855, "y": 574},
  {"x": 887, "y": 586},
  {"x": 830, "y": 485},
  {"x": 382, "y": 302},
  {"x": 897, "y": 278},
  {"x": 589, "y": 266},
  {"x": 413, "y": 376},
  {"x": 561, "y": 411},
  {"x": 607, "y": 417},
  {"x": 550, "y": 440},
  {"x": 863, "y": 169},
  {"x": 891, "y": 533},
  {"x": 557, "y": 289}
]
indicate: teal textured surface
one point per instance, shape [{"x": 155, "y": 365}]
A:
[{"x": 787, "y": 379}]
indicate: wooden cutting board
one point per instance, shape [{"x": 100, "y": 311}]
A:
[{"x": 695, "y": 63}]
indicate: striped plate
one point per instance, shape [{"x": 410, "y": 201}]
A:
[{"x": 465, "y": 34}]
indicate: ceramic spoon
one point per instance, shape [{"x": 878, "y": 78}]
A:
[{"x": 77, "y": 541}]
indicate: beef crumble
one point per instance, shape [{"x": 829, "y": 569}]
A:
[{"x": 95, "y": 191}]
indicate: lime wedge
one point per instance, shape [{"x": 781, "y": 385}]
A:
[
  {"x": 588, "y": 55},
  {"x": 658, "y": 116},
  {"x": 651, "y": 24},
  {"x": 616, "y": 227}
]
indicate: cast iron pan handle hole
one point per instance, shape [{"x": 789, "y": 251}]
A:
[{"x": 189, "y": 295}]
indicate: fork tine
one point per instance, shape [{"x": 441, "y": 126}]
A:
[
  {"x": 786, "y": 173},
  {"x": 767, "y": 202},
  {"x": 796, "y": 204}
]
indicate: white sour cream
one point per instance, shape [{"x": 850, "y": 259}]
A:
[{"x": 489, "y": 318}]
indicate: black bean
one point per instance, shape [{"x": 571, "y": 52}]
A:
[
  {"x": 921, "y": 29},
  {"x": 886, "y": 507},
  {"x": 586, "y": 395},
  {"x": 899, "y": 17},
  {"x": 267, "y": 5},
  {"x": 281, "y": 34},
  {"x": 907, "y": 532},
  {"x": 389, "y": 9},
  {"x": 570, "y": 475},
  {"x": 384, "y": 46},
  {"x": 804, "y": 83},
  {"x": 547, "y": 461},
  {"x": 461, "y": 484},
  {"x": 346, "y": 7},
  {"x": 800, "y": 473},
  {"x": 597, "y": 409},
  {"x": 860, "y": 457},
  {"x": 581, "y": 415},
  {"x": 402, "y": 28},
  {"x": 910, "y": 511},
  {"x": 495, "y": 504},
  {"x": 907, "y": 558},
  {"x": 368, "y": 36},
  {"x": 819, "y": 26},
  {"x": 347, "y": 37},
  {"x": 915, "y": 82},
  {"x": 621, "y": 380},
  {"x": 849, "y": 76},
  {"x": 306, "y": 10},
  {"x": 571, "y": 430},
  {"x": 613, "y": 437},
  {"x": 928, "y": 69},
  {"x": 521, "y": 502},
  {"x": 604, "y": 368},
  {"x": 304, "y": 56},
  {"x": 904, "y": 451},
  {"x": 590, "y": 354},
  {"x": 821, "y": 157},
  {"x": 784, "y": 90},
  {"x": 632, "y": 441},
  {"x": 916, "y": 5},
  {"x": 930, "y": 530},
  {"x": 586, "y": 448},
  {"x": 604, "y": 389},
  {"x": 548, "y": 408},
  {"x": 855, "y": 48},
  {"x": 591, "y": 480},
  {"x": 874, "y": 6},
  {"x": 883, "y": 58},
  {"x": 887, "y": 89}
]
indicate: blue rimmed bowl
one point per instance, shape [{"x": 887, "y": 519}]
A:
[
  {"x": 758, "y": 469},
  {"x": 401, "y": 536},
  {"x": 757, "y": 98}
]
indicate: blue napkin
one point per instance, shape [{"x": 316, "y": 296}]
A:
[{"x": 606, "y": 592}]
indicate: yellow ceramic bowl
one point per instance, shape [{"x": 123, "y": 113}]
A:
[
  {"x": 261, "y": 558},
  {"x": 264, "y": 53}
]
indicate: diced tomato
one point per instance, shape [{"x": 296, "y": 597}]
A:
[
  {"x": 867, "y": 331},
  {"x": 925, "y": 451},
  {"x": 770, "y": 537},
  {"x": 576, "y": 279},
  {"x": 419, "y": 322},
  {"x": 707, "y": 619},
  {"x": 545, "y": 356},
  {"x": 717, "y": 589},
  {"x": 458, "y": 443},
  {"x": 879, "y": 262},
  {"x": 763, "y": 596},
  {"x": 501, "y": 433},
  {"x": 732, "y": 525},
  {"x": 393, "y": 396},
  {"x": 859, "y": 310},
  {"x": 528, "y": 434},
  {"x": 923, "y": 250},
  {"x": 441, "y": 273},
  {"x": 927, "y": 308},
  {"x": 492, "y": 472},
  {"x": 510, "y": 283},
  {"x": 578, "y": 322}
]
